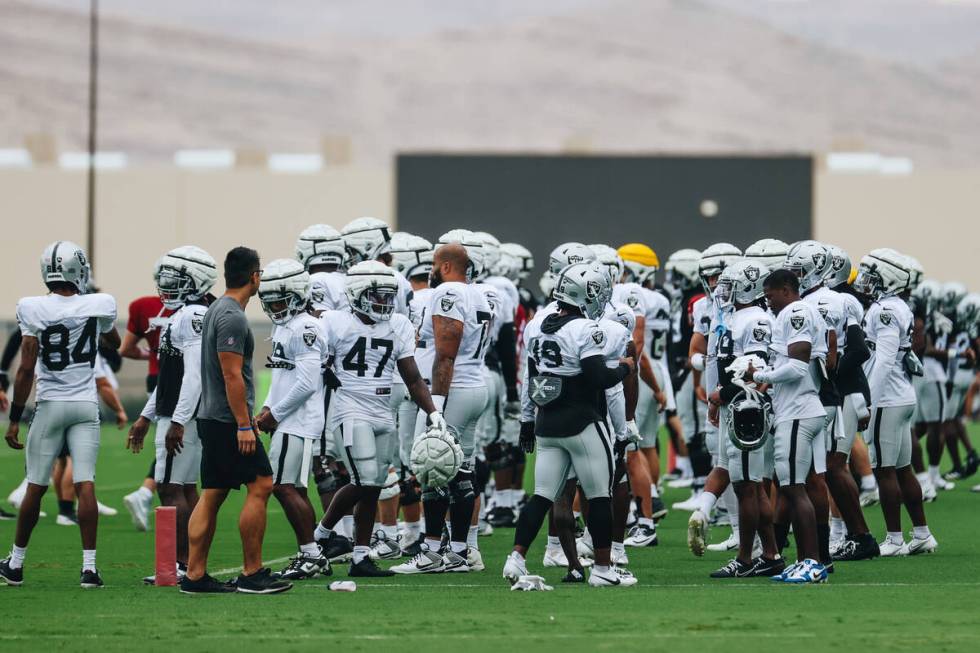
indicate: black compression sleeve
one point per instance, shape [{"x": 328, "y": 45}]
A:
[
  {"x": 595, "y": 370},
  {"x": 856, "y": 352},
  {"x": 506, "y": 348},
  {"x": 10, "y": 350}
]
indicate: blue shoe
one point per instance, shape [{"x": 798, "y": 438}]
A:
[
  {"x": 808, "y": 571},
  {"x": 786, "y": 573}
]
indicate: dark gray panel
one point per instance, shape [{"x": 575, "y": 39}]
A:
[{"x": 541, "y": 201}]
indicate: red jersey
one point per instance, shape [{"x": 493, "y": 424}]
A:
[{"x": 147, "y": 317}]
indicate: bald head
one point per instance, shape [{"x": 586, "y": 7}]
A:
[{"x": 449, "y": 263}]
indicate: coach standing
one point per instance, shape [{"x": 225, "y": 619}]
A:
[{"x": 232, "y": 454}]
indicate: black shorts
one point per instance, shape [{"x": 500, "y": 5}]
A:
[
  {"x": 151, "y": 383},
  {"x": 222, "y": 466}
]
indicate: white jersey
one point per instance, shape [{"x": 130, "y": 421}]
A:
[
  {"x": 184, "y": 334},
  {"x": 709, "y": 323},
  {"x": 632, "y": 295},
  {"x": 657, "y": 316},
  {"x": 561, "y": 352},
  {"x": 467, "y": 304},
  {"x": 749, "y": 332},
  {"x": 509, "y": 295},
  {"x": 701, "y": 313},
  {"x": 327, "y": 291},
  {"x": 854, "y": 312},
  {"x": 417, "y": 307},
  {"x": 404, "y": 297},
  {"x": 498, "y": 307},
  {"x": 618, "y": 337},
  {"x": 296, "y": 392},
  {"x": 364, "y": 361},
  {"x": 888, "y": 329},
  {"x": 831, "y": 308},
  {"x": 797, "y": 322},
  {"x": 67, "y": 330}
]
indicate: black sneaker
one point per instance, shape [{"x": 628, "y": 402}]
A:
[
  {"x": 204, "y": 585},
  {"x": 367, "y": 568},
  {"x": 734, "y": 569},
  {"x": 502, "y": 517},
  {"x": 972, "y": 464},
  {"x": 336, "y": 548},
  {"x": 10, "y": 576},
  {"x": 302, "y": 567},
  {"x": 659, "y": 508},
  {"x": 767, "y": 568},
  {"x": 7, "y": 516},
  {"x": 574, "y": 576},
  {"x": 862, "y": 548},
  {"x": 91, "y": 579},
  {"x": 261, "y": 582}
]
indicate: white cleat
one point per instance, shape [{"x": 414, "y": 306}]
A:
[
  {"x": 869, "y": 497},
  {"x": 425, "y": 562},
  {"x": 922, "y": 545},
  {"x": 680, "y": 482},
  {"x": 891, "y": 550},
  {"x": 554, "y": 558},
  {"x": 65, "y": 520},
  {"x": 689, "y": 505},
  {"x": 106, "y": 511},
  {"x": 16, "y": 497},
  {"x": 614, "y": 577},
  {"x": 514, "y": 568},
  {"x": 697, "y": 532},
  {"x": 385, "y": 548},
  {"x": 474, "y": 559},
  {"x": 929, "y": 493},
  {"x": 138, "y": 510},
  {"x": 944, "y": 485},
  {"x": 727, "y": 545},
  {"x": 642, "y": 535},
  {"x": 975, "y": 488}
]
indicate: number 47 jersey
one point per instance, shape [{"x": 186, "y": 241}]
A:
[
  {"x": 67, "y": 330},
  {"x": 467, "y": 304}
]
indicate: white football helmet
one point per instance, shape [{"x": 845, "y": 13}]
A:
[
  {"x": 491, "y": 252},
  {"x": 547, "y": 284},
  {"x": 411, "y": 255},
  {"x": 366, "y": 239},
  {"x": 681, "y": 269},
  {"x": 609, "y": 257},
  {"x": 713, "y": 261},
  {"x": 508, "y": 266},
  {"x": 968, "y": 312},
  {"x": 320, "y": 244},
  {"x": 928, "y": 294},
  {"x": 839, "y": 271},
  {"x": 474, "y": 249},
  {"x": 522, "y": 254},
  {"x": 65, "y": 261},
  {"x": 624, "y": 315},
  {"x": 882, "y": 273},
  {"x": 436, "y": 457},
  {"x": 284, "y": 289},
  {"x": 184, "y": 274},
  {"x": 952, "y": 294},
  {"x": 585, "y": 286},
  {"x": 568, "y": 254},
  {"x": 371, "y": 289},
  {"x": 740, "y": 283},
  {"x": 809, "y": 260},
  {"x": 771, "y": 252},
  {"x": 916, "y": 272}
]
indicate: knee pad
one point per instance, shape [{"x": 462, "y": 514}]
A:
[
  {"x": 481, "y": 476},
  {"x": 461, "y": 487},
  {"x": 410, "y": 492},
  {"x": 435, "y": 494}
]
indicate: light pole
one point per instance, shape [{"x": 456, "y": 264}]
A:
[{"x": 93, "y": 82}]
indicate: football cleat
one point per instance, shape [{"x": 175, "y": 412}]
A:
[
  {"x": 66, "y": 520},
  {"x": 869, "y": 497},
  {"x": 574, "y": 576},
  {"x": 688, "y": 505},
  {"x": 424, "y": 562},
  {"x": 864, "y": 548},
  {"x": 336, "y": 547},
  {"x": 261, "y": 582},
  {"x": 721, "y": 517},
  {"x": 514, "y": 568},
  {"x": 484, "y": 529},
  {"x": 836, "y": 546},
  {"x": 673, "y": 474},
  {"x": 583, "y": 546},
  {"x": 659, "y": 508},
  {"x": 767, "y": 568},
  {"x": 642, "y": 535},
  {"x": 954, "y": 474},
  {"x": 944, "y": 485},
  {"x": 734, "y": 569},
  {"x": 367, "y": 568},
  {"x": 972, "y": 464},
  {"x": 929, "y": 493},
  {"x": 474, "y": 559},
  {"x": 697, "y": 533},
  {"x": 455, "y": 562},
  {"x": 91, "y": 579},
  {"x": 975, "y": 488},
  {"x": 302, "y": 567},
  {"x": 411, "y": 549},
  {"x": 105, "y": 510},
  {"x": 138, "y": 510},
  {"x": 808, "y": 571},
  {"x": 385, "y": 548},
  {"x": 502, "y": 517},
  {"x": 787, "y": 571},
  {"x": 9, "y": 575},
  {"x": 613, "y": 577},
  {"x": 618, "y": 558},
  {"x": 889, "y": 549},
  {"x": 729, "y": 544},
  {"x": 919, "y": 545},
  {"x": 554, "y": 557}
]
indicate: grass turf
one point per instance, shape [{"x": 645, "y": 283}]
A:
[{"x": 923, "y": 603}]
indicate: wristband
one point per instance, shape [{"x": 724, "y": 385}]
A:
[
  {"x": 245, "y": 428},
  {"x": 16, "y": 412},
  {"x": 439, "y": 401}
]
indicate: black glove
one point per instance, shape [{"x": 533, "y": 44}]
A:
[
  {"x": 330, "y": 379},
  {"x": 526, "y": 440}
]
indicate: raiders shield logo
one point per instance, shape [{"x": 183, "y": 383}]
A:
[
  {"x": 309, "y": 337},
  {"x": 317, "y": 296},
  {"x": 752, "y": 274},
  {"x": 592, "y": 289},
  {"x": 197, "y": 324},
  {"x": 760, "y": 334},
  {"x": 819, "y": 260},
  {"x": 796, "y": 321},
  {"x": 632, "y": 301},
  {"x": 598, "y": 337},
  {"x": 447, "y": 303},
  {"x": 885, "y": 317}
]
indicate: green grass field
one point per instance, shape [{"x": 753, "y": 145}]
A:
[{"x": 927, "y": 603}]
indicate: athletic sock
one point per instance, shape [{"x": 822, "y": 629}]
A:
[
  {"x": 310, "y": 550},
  {"x": 618, "y": 548},
  {"x": 503, "y": 498},
  {"x": 554, "y": 542},
  {"x": 434, "y": 543},
  {"x": 517, "y": 556},
  {"x": 654, "y": 491},
  {"x": 868, "y": 483},
  {"x": 934, "y": 474},
  {"x": 602, "y": 569},
  {"x": 684, "y": 464},
  {"x": 706, "y": 502},
  {"x": 837, "y": 529},
  {"x": 391, "y": 532},
  {"x": 459, "y": 548},
  {"x": 144, "y": 493},
  {"x": 88, "y": 559},
  {"x": 921, "y": 532},
  {"x": 321, "y": 533},
  {"x": 896, "y": 537},
  {"x": 360, "y": 552},
  {"x": 17, "y": 555},
  {"x": 412, "y": 530},
  {"x": 473, "y": 537},
  {"x": 645, "y": 521},
  {"x": 348, "y": 525},
  {"x": 66, "y": 508}
]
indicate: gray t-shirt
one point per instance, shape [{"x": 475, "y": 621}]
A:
[{"x": 225, "y": 329}]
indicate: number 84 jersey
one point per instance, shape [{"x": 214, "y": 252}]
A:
[
  {"x": 464, "y": 303},
  {"x": 67, "y": 330},
  {"x": 364, "y": 360}
]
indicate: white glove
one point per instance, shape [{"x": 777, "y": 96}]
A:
[
  {"x": 530, "y": 583},
  {"x": 740, "y": 366},
  {"x": 632, "y": 432},
  {"x": 435, "y": 419}
]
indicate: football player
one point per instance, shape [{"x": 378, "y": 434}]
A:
[
  {"x": 563, "y": 403},
  {"x": 367, "y": 343},
  {"x": 960, "y": 365},
  {"x": 293, "y": 411},
  {"x": 528, "y": 301},
  {"x": 799, "y": 450},
  {"x": 61, "y": 333},
  {"x": 185, "y": 276},
  {"x": 884, "y": 275}
]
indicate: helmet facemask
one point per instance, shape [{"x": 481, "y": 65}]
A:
[
  {"x": 281, "y": 305},
  {"x": 868, "y": 281},
  {"x": 174, "y": 287},
  {"x": 377, "y": 303}
]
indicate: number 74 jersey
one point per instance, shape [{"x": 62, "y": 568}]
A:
[
  {"x": 67, "y": 330},
  {"x": 467, "y": 304}
]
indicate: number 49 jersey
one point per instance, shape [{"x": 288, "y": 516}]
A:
[
  {"x": 67, "y": 329},
  {"x": 364, "y": 361},
  {"x": 467, "y": 304}
]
